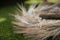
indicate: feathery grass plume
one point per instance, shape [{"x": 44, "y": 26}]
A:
[{"x": 33, "y": 26}]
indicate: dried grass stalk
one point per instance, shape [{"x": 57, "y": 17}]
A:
[{"x": 33, "y": 26}]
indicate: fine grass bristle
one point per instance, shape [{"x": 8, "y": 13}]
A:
[{"x": 35, "y": 27}]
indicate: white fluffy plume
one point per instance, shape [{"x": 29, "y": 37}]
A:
[{"x": 34, "y": 26}]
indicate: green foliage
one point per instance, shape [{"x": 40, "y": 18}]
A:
[
  {"x": 2, "y": 19},
  {"x": 34, "y": 1},
  {"x": 6, "y": 27},
  {"x": 41, "y": 1},
  {"x": 53, "y": 1}
]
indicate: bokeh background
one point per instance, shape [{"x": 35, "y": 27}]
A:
[{"x": 6, "y": 28}]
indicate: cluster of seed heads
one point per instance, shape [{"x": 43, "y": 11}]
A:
[{"x": 32, "y": 25}]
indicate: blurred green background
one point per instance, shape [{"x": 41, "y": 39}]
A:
[
  {"x": 7, "y": 7},
  {"x": 6, "y": 27}
]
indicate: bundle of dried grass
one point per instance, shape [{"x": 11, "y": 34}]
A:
[{"x": 33, "y": 26}]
